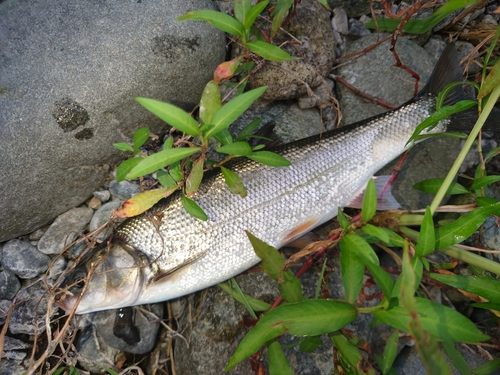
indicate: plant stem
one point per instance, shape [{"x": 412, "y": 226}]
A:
[{"x": 465, "y": 149}]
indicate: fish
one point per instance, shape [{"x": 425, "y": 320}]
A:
[{"x": 166, "y": 253}]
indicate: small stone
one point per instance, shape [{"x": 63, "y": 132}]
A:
[
  {"x": 15, "y": 349},
  {"x": 357, "y": 28},
  {"x": 340, "y": 22},
  {"x": 36, "y": 235},
  {"x": 103, "y": 195},
  {"x": 29, "y": 316},
  {"x": 102, "y": 215},
  {"x": 5, "y": 305},
  {"x": 24, "y": 260},
  {"x": 465, "y": 49},
  {"x": 9, "y": 285},
  {"x": 123, "y": 190},
  {"x": 64, "y": 230},
  {"x": 94, "y": 203},
  {"x": 57, "y": 267},
  {"x": 145, "y": 319},
  {"x": 92, "y": 353}
]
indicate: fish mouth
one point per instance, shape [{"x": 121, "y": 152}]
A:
[{"x": 65, "y": 300}]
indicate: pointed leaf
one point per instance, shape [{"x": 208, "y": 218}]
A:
[
  {"x": 488, "y": 367},
  {"x": 226, "y": 70},
  {"x": 193, "y": 209},
  {"x": 369, "y": 202},
  {"x": 125, "y": 167},
  {"x": 122, "y": 146},
  {"x": 195, "y": 176},
  {"x": 165, "y": 179},
  {"x": 224, "y": 137},
  {"x": 342, "y": 219},
  {"x": 352, "y": 271},
  {"x": 234, "y": 182},
  {"x": 464, "y": 226},
  {"x": 140, "y": 137},
  {"x": 439, "y": 320},
  {"x": 347, "y": 350},
  {"x": 390, "y": 352},
  {"x": 362, "y": 249},
  {"x": 382, "y": 278},
  {"x": 236, "y": 148},
  {"x": 378, "y": 232},
  {"x": 241, "y": 8},
  {"x": 210, "y": 102},
  {"x": 175, "y": 171},
  {"x": 160, "y": 160},
  {"x": 432, "y": 186},
  {"x": 426, "y": 240},
  {"x": 310, "y": 344},
  {"x": 280, "y": 11},
  {"x": 232, "y": 110},
  {"x": 483, "y": 286},
  {"x": 305, "y": 318},
  {"x": 219, "y": 20},
  {"x": 254, "y": 12},
  {"x": 248, "y": 130},
  {"x": 278, "y": 364},
  {"x": 483, "y": 181},
  {"x": 143, "y": 202},
  {"x": 491, "y": 82},
  {"x": 255, "y": 304},
  {"x": 269, "y": 158},
  {"x": 269, "y": 51},
  {"x": 174, "y": 116},
  {"x": 456, "y": 357}
]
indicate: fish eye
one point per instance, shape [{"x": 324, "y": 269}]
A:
[{"x": 80, "y": 279}]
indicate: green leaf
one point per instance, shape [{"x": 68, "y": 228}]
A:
[
  {"x": 417, "y": 267},
  {"x": 441, "y": 114},
  {"x": 494, "y": 152},
  {"x": 219, "y": 20},
  {"x": 165, "y": 179},
  {"x": 280, "y": 11},
  {"x": 464, "y": 226},
  {"x": 382, "y": 278},
  {"x": 232, "y": 110},
  {"x": 269, "y": 158},
  {"x": 160, "y": 160},
  {"x": 305, "y": 318},
  {"x": 175, "y": 171},
  {"x": 432, "y": 186},
  {"x": 278, "y": 364},
  {"x": 310, "y": 344},
  {"x": 175, "y": 116},
  {"x": 456, "y": 357},
  {"x": 347, "y": 350},
  {"x": 248, "y": 130},
  {"x": 352, "y": 271},
  {"x": 224, "y": 137},
  {"x": 236, "y": 148},
  {"x": 122, "y": 146},
  {"x": 125, "y": 167},
  {"x": 483, "y": 181},
  {"x": 254, "y": 12},
  {"x": 140, "y": 137},
  {"x": 255, "y": 304},
  {"x": 269, "y": 51},
  {"x": 415, "y": 26},
  {"x": 369, "y": 206},
  {"x": 272, "y": 264},
  {"x": 143, "y": 202},
  {"x": 362, "y": 249},
  {"x": 241, "y": 8},
  {"x": 193, "y": 209},
  {"x": 342, "y": 219},
  {"x": 487, "y": 305},
  {"x": 390, "y": 351},
  {"x": 195, "y": 176},
  {"x": 234, "y": 182},
  {"x": 483, "y": 286},
  {"x": 491, "y": 82},
  {"x": 378, "y": 232},
  {"x": 439, "y": 320},
  {"x": 210, "y": 102},
  {"x": 426, "y": 239},
  {"x": 488, "y": 368}
]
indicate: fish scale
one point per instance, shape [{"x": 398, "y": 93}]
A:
[{"x": 179, "y": 254}]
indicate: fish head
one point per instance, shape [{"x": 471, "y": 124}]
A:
[{"x": 108, "y": 277}]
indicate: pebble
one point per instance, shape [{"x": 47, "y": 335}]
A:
[
  {"x": 24, "y": 260},
  {"x": 123, "y": 190},
  {"x": 357, "y": 28},
  {"x": 5, "y": 305},
  {"x": 101, "y": 216},
  {"x": 36, "y": 235},
  {"x": 15, "y": 349},
  {"x": 9, "y": 285},
  {"x": 28, "y": 317},
  {"x": 64, "y": 230},
  {"x": 103, "y": 195},
  {"x": 340, "y": 21},
  {"x": 94, "y": 203},
  {"x": 464, "y": 49}
]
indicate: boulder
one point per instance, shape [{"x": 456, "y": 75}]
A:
[{"x": 69, "y": 72}]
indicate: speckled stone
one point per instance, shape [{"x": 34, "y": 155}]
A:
[{"x": 24, "y": 260}]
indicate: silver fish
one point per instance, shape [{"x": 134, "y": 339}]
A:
[{"x": 166, "y": 253}]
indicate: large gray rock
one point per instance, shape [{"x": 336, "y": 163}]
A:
[{"x": 69, "y": 72}]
